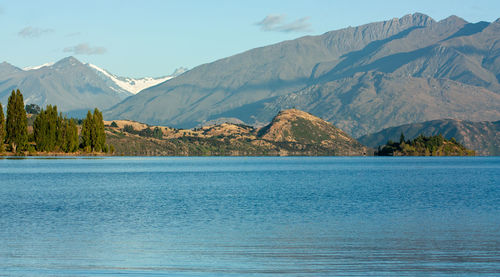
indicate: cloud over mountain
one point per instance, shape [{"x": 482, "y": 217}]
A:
[
  {"x": 278, "y": 23},
  {"x": 85, "y": 49}
]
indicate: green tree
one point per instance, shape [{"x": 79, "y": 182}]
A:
[
  {"x": 129, "y": 129},
  {"x": 47, "y": 129},
  {"x": 93, "y": 135},
  {"x": 39, "y": 131},
  {"x": 61, "y": 131},
  {"x": 157, "y": 133},
  {"x": 402, "y": 138},
  {"x": 2, "y": 129},
  {"x": 71, "y": 136},
  {"x": 88, "y": 133},
  {"x": 100, "y": 135},
  {"x": 16, "y": 124}
]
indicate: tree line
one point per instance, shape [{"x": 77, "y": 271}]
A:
[
  {"x": 146, "y": 132},
  {"x": 424, "y": 146},
  {"x": 52, "y": 132}
]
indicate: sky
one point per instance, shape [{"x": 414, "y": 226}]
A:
[{"x": 154, "y": 37}]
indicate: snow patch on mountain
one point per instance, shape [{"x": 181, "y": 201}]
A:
[
  {"x": 37, "y": 66},
  {"x": 122, "y": 85},
  {"x": 132, "y": 85}
]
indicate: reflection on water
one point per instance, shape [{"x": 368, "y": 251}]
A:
[{"x": 250, "y": 216}]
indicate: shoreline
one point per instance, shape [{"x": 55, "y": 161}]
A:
[
  {"x": 53, "y": 154},
  {"x": 99, "y": 155}
]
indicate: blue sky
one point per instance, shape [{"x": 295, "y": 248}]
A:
[{"x": 152, "y": 38}]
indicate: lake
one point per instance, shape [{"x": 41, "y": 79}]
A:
[{"x": 260, "y": 216}]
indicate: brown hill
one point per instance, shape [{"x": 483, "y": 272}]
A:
[
  {"x": 291, "y": 132},
  {"x": 301, "y": 127}
]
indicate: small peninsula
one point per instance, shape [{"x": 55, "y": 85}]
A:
[{"x": 424, "y": 146}]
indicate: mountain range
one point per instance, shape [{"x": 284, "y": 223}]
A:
[
  {"x": 363, "y": 79},
  {"x": 71, "y": 85},
  {"x": 395, "y": 73}
]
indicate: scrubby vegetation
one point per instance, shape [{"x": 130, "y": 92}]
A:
[
  {"x": 424, "y": 146},
  {"x": 146, "y": 132}
]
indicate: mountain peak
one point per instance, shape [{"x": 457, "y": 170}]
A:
[
  {"x": 179, "y": 71},
  {"x": 453, "y": 19},
  {"x": 418, "y": 19},
  {"x": 6, "y": 68},
  {"x": 5, "y": 64},
  {"x": 68, "y": 61}
]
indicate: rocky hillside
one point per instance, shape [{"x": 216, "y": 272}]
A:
[
  {"x": 362, "y": 79},
  {"x": 300, "y": 127},
  {"x": 483, "y": 137},
  {"x": 291, "y": 132}
]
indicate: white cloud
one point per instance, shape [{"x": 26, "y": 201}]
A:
[
  {"x": 270, "y": 22},
  {"x": 85, "y": 49},
  {"x": 33, "y": 32},
  {"x": 278, "y": 23}
]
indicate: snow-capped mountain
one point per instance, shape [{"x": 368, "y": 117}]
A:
[
  {"x": 72, "y": 85},
  {"x": 121, "y": 84},
  {"x": 28, "y": 68},
  {"x": 133, "y": 85}
]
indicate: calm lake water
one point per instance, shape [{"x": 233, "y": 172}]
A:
[{"x": 223, "y": 216}]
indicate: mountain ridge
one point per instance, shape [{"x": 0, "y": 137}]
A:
[{"x": 456, "y": 64}]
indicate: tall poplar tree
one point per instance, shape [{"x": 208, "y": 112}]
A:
[
  {"x": 40, "y": 130},
  {"x": 17, "y": 123},
  {"x": 71, "y": 136},
  {"x": 46, "y": 129},
  {"x": 100, "y": 135},
  {"x": 88, "y": 133},
  {"x": 2, "y": 129},
  {"x": 93, "y": 135},
  {"x": 53, "y": 132},
  {"x": 60, "y": 131}
]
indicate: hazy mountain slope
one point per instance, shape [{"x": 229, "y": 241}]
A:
[
  {"x": 483, "y": 137},
  {"x": 363, "y": 79},
  {"x": 7, "y": 69},
  {"x": 368, "y": 102},
  {"x": 258, "y": 74},
  {"x": 69, "y": 84}
]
